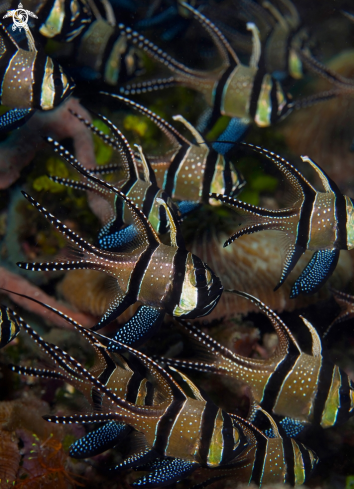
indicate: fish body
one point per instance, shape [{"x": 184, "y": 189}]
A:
[
  {"x": 190, "y": 430},
  {"x": 245, "y": 92},
  {"x": 163, "y": 278},
  {"x": 9, "y": 326},
  {"x": 319, "y": 221},
  {"x": 305, "y": 388},
  {"x": 30, "y": 79},
  {"x": 190, "y": 171}
]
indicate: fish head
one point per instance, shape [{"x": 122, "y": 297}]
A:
[
  {"x": 57, "y": 86},
  {"x": 350, "y": 222},
  {"x": 226, "y": 179},
  {"x": 200, "y": 292}
]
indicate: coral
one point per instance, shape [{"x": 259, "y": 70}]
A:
[
  {"x": 13, "y": 282},
  {"x": 329, "y": 127},
  {"x": 9, "y": 459},
  {"x": 19, "y": 149}
]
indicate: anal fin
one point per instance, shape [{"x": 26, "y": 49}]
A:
[
  {"x": 166, "y": 472},
  {"x": 99, "y": 440}
]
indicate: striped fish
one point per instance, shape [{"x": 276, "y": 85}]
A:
[
  {"x": 163, "y": 278},
  {"x": 187, "y": 428},
  {"x": 191, "y": 170},
  {"x": 9, "y": 326},
  {"x": 266, "y": 460},
  {"x": 303, "y": 388},
  {"x": 247, "y": 93},
  {"x": 30, "y": 79},
  {"x": 280, "y": 29},
  {"x": 249, "y": 454},
  {"x": 143, "y": 191},
  {"x": 318, "y": 221}
]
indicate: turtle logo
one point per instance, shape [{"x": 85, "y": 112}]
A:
[{"x": 20, "y": 17}]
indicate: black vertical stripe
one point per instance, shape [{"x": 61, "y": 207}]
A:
[
  {"x": 344, "y": 395},
  {"x": 38, "y": 77},
  {"x": 209, "y": 173},
  {"x": 324, "y": 385},
  {"x": 165, "y": 425},
  {"x": 228, "y": 438},
  {"x": 179, "y": 270},
  {"x": 274, "y": 116},
  {"x": 289, "y": 458},
  {"x": 306, "y": 460},
  {"x": 206, "y": 431},
  {"x": 219, "y": 92},
  {"x": 133, "y": 386},
  {"x": 169, "y": 184},
  {"x": 304, "y": 225},
  {"x": 256, "y": 90},
  {"x": 258, "y": 463},
  {"x": 139, "y": 270},
  {"x": 149, "y": 199},
  {"x": 276, "y": 380}
]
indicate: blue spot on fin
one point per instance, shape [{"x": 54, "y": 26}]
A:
[
  {"x": 318, "y": 270},
  {"x": 166, "y": 471},
  {"x": 233, "y": 133},
  {"x": 118, "y": 240},
  {"x": 14, "y": 118},
  {"x": 99, "y": 440},
  {"x": 292, "y": 427},
  {"x": 139, "y": 328},
  {"x": 186, "y": 207}
]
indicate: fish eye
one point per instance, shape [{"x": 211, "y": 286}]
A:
[
  {"x": 200, "y": 277},
  {"x": 57, "y": 81}
]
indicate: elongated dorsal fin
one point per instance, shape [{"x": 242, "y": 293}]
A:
[
  {"x": 257, "y": 46},
  {"x": 140, "y": 220},
  {"x": 149, "y": 176},
  {"x": 119, "y": 143},
  {"x": 172, "y": 134},
  {"x": 327, "y": 182},
  {"x": 286, "y": 339},
  {"x": 271, "y": 420},
  {"x": 197, "y": 136},
  {"x": 196, "y": 392},
  {"x": 316, "y": 340},
  {"x": 175, "y": 232},
  {"x": 225, "y": 50}
]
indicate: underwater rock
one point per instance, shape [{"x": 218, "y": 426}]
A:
[
  {"x": 19, "y": 149},
  {"x": 253, "y": 265},
  {"x": 325, "y": 131}
]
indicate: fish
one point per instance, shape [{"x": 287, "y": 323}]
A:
[
  {"x": 143, "y": 191},
  {"x": 191, "y": 170},
  {"x": 162, "y": 278},
  {"x": 254, "y": 456},
  {"x": 172, "y": 427},
  {"x": 318, "y": 221},
  {"x": 303, "y": 389},
  {"x": 281, "y": 33},
  {"x": 30, "y": 79},
  {"x": 9, "y": 327},
  {"x": 245, "y": 93}
]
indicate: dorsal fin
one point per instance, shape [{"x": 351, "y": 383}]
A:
[
  {"x": 257, "y": 46},
  {"x": 276, "y": 14},
  {"x": 328, "y": 184},
  {"x": 172, "y": 134},
  {"x": 271, "y": 420},
  {"x": 225, "y": 50},
  {"x": 8, "y": 40},
  {"x": 196, "y": 392},
  {"x": 119, "y": 143},
  {"x": 294, "y": 176},
  {"x": 196, "y": 134},
  {"x": 140, "y": 220},
  {"x": 175, "y": 232},
  {"x": 286, "y": 339},
  {"x": 156, "y": 370},
  {"x": 149, "y": 175},
  {"x": 316, "y": 340}
]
